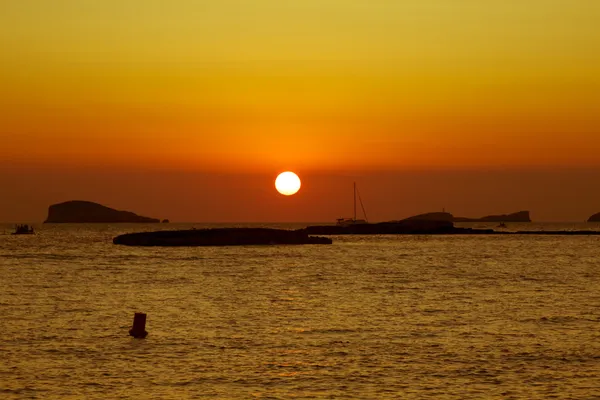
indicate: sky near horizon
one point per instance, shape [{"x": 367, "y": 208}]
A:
[{"x": 317, "y": 86}]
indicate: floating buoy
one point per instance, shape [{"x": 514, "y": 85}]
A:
[{"x": 138, "y": 330}]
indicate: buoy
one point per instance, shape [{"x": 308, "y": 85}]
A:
[{"x": 138, "y": 330}]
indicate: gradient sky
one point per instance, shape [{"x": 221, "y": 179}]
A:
[{"x": 217, "y": 94}]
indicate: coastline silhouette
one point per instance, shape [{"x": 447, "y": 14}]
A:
[{"x": 79, "y": 211}]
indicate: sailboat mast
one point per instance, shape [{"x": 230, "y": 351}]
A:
[{"x": 354, "y": 201}]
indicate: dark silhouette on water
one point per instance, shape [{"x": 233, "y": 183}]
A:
[
  {"x": 266, "y": 236},
  {"x": 521, "y": 216},
  {"x": 594, "y": 218},
  {"x": 78, "y": 211},
  {"x": 220, "y": 237},
  {"x": 432, "y": 216},
  {"x": 425, "y": 227},
  {"x": 138, "y": 330},
  {"x": 353, "y": 220},
  {"x": 405, "y": 227},
  {"x": 23, "y": 229}
]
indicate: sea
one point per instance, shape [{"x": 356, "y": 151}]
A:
[{"x": 368, "y": 317}]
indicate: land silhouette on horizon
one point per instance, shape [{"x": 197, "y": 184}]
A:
[
  {"x": 594, "y": 218},
  {"x": 80, "y": 211},
  {"x": 83, "y": 211},
  {"x": 520, "y": 216}
]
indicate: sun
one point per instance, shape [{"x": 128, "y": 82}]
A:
[{"x": 287, "y": 183}]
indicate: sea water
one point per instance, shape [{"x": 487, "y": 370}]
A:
[{"x": 369, "y": 317}]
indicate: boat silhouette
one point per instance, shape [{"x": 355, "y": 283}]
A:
[
  {"x": 353, "y": 220},
  {"x": 23, "y": 229}
]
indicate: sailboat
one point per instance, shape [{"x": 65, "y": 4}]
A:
[{"x": 353, "y": 220}]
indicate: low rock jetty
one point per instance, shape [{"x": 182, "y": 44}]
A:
[
  {"x": 220, "y": 237},
  {"x": 404, "y": 227}
]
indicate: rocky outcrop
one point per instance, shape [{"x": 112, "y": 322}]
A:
[
  {"x": 78, "y": 211},
  {"x": 220, "y": 237},
  {"x": 594, "y": 218},
  {"x": 521, "y": 216}
]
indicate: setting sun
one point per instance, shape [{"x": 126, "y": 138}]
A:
[{"x": 287, "y": 183}]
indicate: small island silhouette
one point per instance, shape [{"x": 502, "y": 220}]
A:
[
  {"x": 594, "y": 218},
  {"x": 79, "y": 211}
]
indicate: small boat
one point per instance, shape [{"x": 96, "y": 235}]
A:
[
  {"x": 501, "y": 225},
  {"x": 23, "y": 229},
  {"x": 354, "y": 221}
]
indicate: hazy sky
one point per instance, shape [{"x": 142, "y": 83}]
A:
[{"x": 215, "y": 94}]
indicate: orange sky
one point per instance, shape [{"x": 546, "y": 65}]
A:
[{"x": 323, "y": 87}]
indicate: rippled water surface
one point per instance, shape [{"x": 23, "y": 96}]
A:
[{"x": 371, "y": 317}]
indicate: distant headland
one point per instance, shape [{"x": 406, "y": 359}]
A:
[
  {"x": 594, "y": 218},
  {"x": 78, "y": 211},
  {"x": 521, "y": 216}
]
